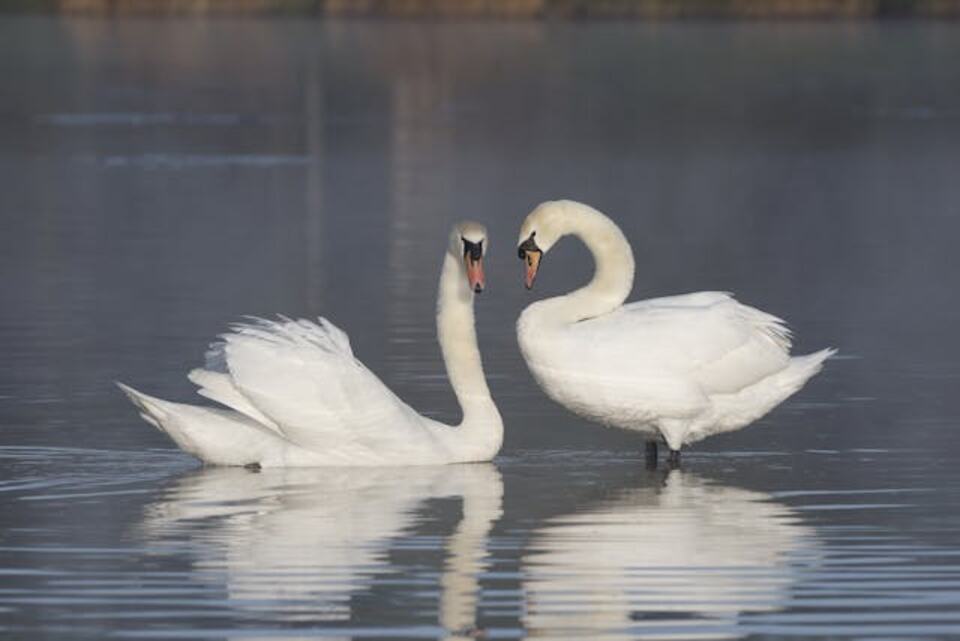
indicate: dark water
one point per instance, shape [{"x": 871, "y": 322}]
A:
[{"x": 158, "y": 179}]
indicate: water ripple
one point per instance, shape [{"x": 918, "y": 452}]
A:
[{"x": 456, "y": 551}]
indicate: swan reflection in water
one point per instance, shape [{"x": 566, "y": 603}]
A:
[
  {"x": 294, "y": 545},
  {"x": 677, "y": 558},
  {"x": 667, "y": 555}
]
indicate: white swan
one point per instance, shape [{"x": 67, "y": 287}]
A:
[
  {"x": 679, "y": 368},
  {"x": 298, "y": 397}
]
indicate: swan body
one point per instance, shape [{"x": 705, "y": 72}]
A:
[
  {"x": 679, "y": 368},
  {"x": 294, "y": 394}
]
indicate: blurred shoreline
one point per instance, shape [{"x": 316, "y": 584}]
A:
[{"x": 506, "y": 9}]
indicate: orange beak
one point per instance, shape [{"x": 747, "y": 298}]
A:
[
  {"x": 532, "y": 261},
  {"x": 474, "y": 273}
]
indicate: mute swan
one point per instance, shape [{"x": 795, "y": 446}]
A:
[
  {"x": 297, "y": 396},
  {"x": 679, "y": 368}
]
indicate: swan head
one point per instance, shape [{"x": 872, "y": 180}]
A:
[
  {"x": 554, "y": 219},
  {"x": 468, "y": 243},
  {"x": 540, "y": 230}
]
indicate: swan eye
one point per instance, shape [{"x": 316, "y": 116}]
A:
[{"x": 526, "y": 247}]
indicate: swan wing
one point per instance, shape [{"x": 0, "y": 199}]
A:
[
  {"x": 303, "y": 378},
  {"x": 219, "y": 387},
  {"x": 707, "y": 338}
]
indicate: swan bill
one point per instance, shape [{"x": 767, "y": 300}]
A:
[
  {"x": 473, "y": 261},
  {"x": 533, "y": 264},
  {"x": 530, "y": 254},
  {"x": 532, "y": 260}
]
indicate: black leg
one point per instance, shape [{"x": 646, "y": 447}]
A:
[
  {"x": 650, "y": 453},
  {"x": 674, "y": 457}
]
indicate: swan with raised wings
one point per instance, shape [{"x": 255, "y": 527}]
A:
[
  {"x": 678, "y": 368},
  {"x": 295, "y": 395}
]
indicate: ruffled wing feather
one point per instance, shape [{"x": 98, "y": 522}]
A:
[{"x": 304, "y": 379}]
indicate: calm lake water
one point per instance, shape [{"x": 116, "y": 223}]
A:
[{"x": 159, "y": 179}]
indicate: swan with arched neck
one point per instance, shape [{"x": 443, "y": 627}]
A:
[{"x": 678, "y": 368}]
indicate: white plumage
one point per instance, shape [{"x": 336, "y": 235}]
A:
[
  {"x": 297, "y": 396},
  {"x": 680, "y": 367}
]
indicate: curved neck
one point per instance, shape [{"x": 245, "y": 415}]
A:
[
  {"x": 458, "y": 342},
  {"x": 614, "y": 266}
]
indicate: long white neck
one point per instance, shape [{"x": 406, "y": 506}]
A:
[
  {"x": 613, "y": 276},
  {"x": 481, "y": 427}
]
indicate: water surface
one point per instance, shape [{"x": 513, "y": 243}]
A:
[{"x": 160, "y": 179}]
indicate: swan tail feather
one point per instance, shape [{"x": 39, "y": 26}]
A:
[
  {"x": 216, "y": 436},
  {"x": 794, "y": 376},
  {"x": 151, "y": 409},
  {"x": 805, "y": 367},
  {"x": 791, "y": 379},
  {"x": 733, "y": 411}
]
